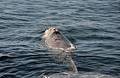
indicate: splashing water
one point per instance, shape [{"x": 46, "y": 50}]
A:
[{"x": 80, "y": 75}]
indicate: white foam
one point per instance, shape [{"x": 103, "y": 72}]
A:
[{"x": 80, "y": 75}]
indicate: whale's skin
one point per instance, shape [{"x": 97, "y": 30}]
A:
[{"x": 56, "y": 40}]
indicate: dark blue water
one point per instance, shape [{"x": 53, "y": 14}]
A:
[{"x": 92, "y": 25}]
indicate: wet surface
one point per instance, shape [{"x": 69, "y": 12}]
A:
[{"x": 92, "y": 25}]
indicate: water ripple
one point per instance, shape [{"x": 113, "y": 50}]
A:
[{"x": 92, "y": 25}]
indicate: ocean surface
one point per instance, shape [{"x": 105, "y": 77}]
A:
[{"x": 92, "y": 25}]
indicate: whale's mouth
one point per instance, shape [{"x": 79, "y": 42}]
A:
[{"x": 56, "y": 33}]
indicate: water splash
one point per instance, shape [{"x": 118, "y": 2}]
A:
[
  {"x": 80, "y": 75},
  {"x": 72, "y": 72}
]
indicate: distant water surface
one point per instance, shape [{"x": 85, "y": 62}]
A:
[{"x": 92, "y": 25}]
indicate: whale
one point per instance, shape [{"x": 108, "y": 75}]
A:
[{"x": 55, "y": 39}]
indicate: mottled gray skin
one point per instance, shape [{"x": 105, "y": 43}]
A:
[{"x": 56, "y": 40}]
